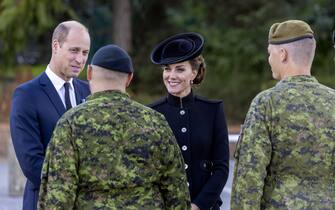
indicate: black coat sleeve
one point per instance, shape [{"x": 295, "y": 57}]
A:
[{"x": 210, "y": 193}]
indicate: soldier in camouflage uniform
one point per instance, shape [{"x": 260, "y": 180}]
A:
[
  {"x": 285, "y": 154},
  {"x": 112, "y": 152}
]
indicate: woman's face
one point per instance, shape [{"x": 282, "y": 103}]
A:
[{"x": 177, "y": 78}]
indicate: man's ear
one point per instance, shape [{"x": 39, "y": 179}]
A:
[
  {"x": 283, "y": 54},
  {"x": 89, "y": 72},
  {"x": 129, "y": 79},
  {"x": 55, "y": 45}
]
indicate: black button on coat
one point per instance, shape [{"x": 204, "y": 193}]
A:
[{"x": 200, "y": 128}]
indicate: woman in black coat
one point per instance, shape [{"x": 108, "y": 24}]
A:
[{"x": 199, "y": 124}]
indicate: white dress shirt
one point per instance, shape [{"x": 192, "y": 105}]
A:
[{"x": 58, "y": 83}]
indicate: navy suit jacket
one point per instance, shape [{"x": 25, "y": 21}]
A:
[
  {"x": 36, "y": 108},
  {"x": 200, "y": 128}
]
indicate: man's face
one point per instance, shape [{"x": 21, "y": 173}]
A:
[
  {"x": 71, "y": 56},
  {"x": 274, "y": 61}
]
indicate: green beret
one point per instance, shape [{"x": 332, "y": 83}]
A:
[{"x": 289, "y": 31}]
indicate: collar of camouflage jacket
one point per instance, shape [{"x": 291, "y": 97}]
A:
[
  {"x": 298, "y": 79},
  {"x": 108, "y": 94}
]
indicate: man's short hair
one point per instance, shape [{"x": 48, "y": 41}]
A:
[
  {"x": 62, "y": 30},
  {"x": 60, "y": 33},
  {"x": 302, "y": 51}
]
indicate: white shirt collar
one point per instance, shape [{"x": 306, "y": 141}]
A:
[{"x": 57, "y": 82}]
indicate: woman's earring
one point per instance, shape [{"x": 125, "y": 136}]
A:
[{"x": 191, "y": 82}]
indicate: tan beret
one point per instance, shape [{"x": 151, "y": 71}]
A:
[{"x": 289, "y": 31}]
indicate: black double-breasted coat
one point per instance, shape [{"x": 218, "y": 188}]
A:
[{"x": 200, "y": 128}]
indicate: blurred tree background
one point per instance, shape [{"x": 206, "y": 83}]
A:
[{"x": 235, "y": 35}]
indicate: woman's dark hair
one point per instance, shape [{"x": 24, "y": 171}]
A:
[{"x": 198, "y": 64}]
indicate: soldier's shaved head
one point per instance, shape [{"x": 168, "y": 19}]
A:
[
  {"x": 102, "y": 75},
  {"x": 302, "y": 51}
]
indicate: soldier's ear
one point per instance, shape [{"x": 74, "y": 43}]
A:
[
  {"x": 129, "y": 79},
  {"x": 283, "y": 54},
  {"x": 89, "y": 72}
]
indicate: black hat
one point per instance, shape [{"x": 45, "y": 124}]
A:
[
  {"x": 113, "y": 57},
  {"x": 177, "y": 48}
]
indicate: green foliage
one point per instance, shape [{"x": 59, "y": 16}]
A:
[
  {"x": 38, "y": 69},
  {"x": 236, "y": 44},
  {"x": 235, "y": 35},
  {"x": 23, "y": 20}
]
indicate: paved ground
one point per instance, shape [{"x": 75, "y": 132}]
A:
[
  {"x": 225, "y": 195},
  {"x": 7, "y": 202},
  {"x": 15, "y": 203}
]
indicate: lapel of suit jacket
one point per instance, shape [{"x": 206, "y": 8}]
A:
[
  {"x": 78, "y": 91},
  {"x": 51, "y": 92}
]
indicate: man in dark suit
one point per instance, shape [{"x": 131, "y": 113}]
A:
[{"x": 40, "y": 102}]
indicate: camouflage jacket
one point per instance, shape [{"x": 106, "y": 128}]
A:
[
  {"x": 285, "y": 155},
  {"x": 113, "y": 153}
]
